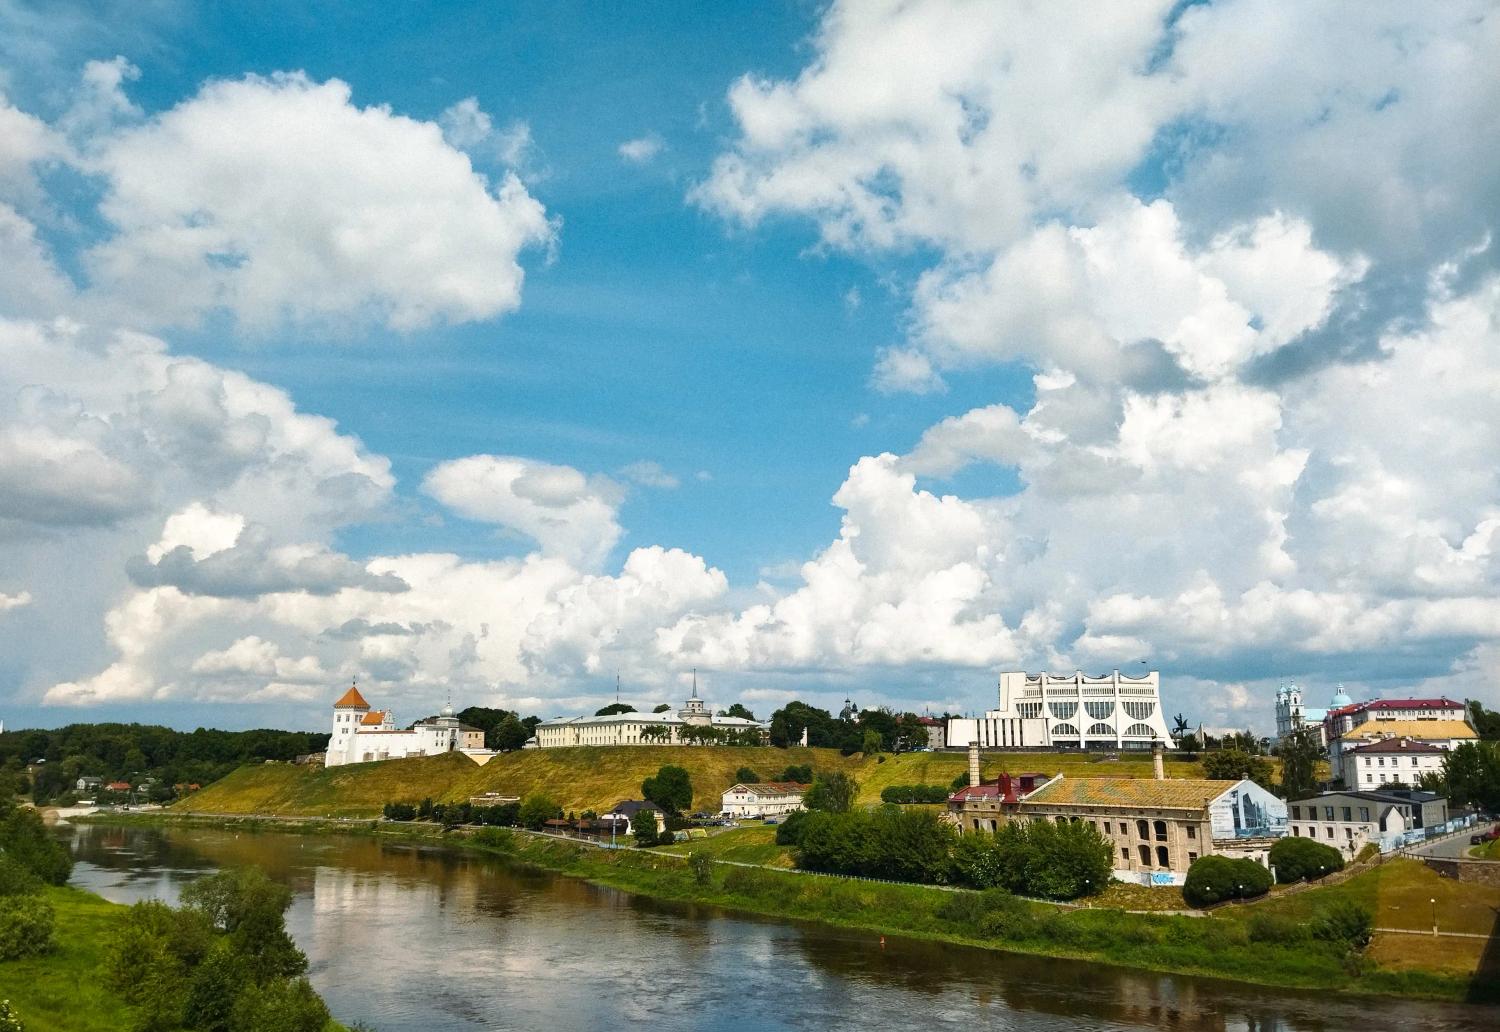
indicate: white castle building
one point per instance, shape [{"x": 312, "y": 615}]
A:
[
  {"x": 641, "y": 728},
  {"x": 363, "y": 735},
  {"x": 1075, "y": 711}
]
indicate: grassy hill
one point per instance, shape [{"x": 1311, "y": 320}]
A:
[{"x": 596, "y": 778}]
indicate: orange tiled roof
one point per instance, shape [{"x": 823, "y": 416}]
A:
[
  {"x": 351, "y": 698},
  {"x": 374, "y": 718}
]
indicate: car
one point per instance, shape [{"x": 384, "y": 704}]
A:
[{"x": 1476, "y": 840}]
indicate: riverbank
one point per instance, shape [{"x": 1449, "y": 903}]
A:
[
  {"x": 64, "y": 991},
  {"x": 1225, "y": 946}
]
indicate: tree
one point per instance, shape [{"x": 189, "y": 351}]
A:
[
  {"x": 26, "y": 924},
  {"x": 832, "y": 793},
  {"x": 1294, "y": 858},
  {"x": 282, "y": 1006},
  {"x": 1472, "y": 773},
  {"x": 508, "y": 735},
  {"x": 801, "y": 773},
  {"x": 665, "y": 707},
  {"x": 656, "y": 733},
  {"x": 250, "y": 908},
  {"x": 738, "y": 710},
  {"x": 643, "y": 827},
  {"x": 1214, "y": 878},
  {"x": 746, "y": 776},
  {"x": 788, "y": 723},
  {"x": 536, "y": 810},
  {"x": 870, "y": 743},
  {"x": 671, "y": 789},
  {"x": 24, "y": 839},
  {"x": 1486, "y": 722},
  {"x": 1299, "y": 758},
  {"x": 1234, "y": 764},
  {"x": 614, "y": 708}
]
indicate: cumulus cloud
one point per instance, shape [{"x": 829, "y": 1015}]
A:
[
  {"x": 650, "y": 474},
  {"x": 9, "y": 602},
  {"x": 312, "y": 209},
  {"x": 252, "y": 568},
  {"x": 565, "y": 512}
]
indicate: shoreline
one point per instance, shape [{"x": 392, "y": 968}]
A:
[{"x": 1139, "y": 942}]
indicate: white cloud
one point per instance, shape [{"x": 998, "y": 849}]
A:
[
  {"x": 650, "y": 474},
  {"x": 9, "y": 602},
  {"x": 278, "y": 198},
  {"x": 642, "y": 149},
  {"x": 566, "y": 513},
  {"x": 467, "y": 127}
]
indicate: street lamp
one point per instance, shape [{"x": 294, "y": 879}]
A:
[{"x": 1433, "y": 901}]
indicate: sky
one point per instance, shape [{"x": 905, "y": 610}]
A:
[{"x": 490, "y": 352}]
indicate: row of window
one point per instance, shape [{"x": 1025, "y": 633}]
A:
[
  {"x": 1394, "y": 761},
  {"x": 1163, "y": 856},
  {"x": 1143, "y": 829},
  {"x": 1312, "y": 833},
  {"x": 1346, "y": 813},
  {"x": 1133, "y": 731}
]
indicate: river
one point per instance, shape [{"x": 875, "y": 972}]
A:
[{"x": 407, "y": 938}]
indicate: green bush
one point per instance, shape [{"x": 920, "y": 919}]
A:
[
  {"x": 536, "y": 810},
  {"x": 1035, "y": 858},
  {"x": 16, "y": 879},
  {"x": 1295, "y": 858},
  {"x": 1213, "y": 879},
  {"x": 281, "y": 1006},
  {"x": 1344, "y": 922},
  {"x": 26, "y": 925},
  {"x": 891, "y": 843},
  {"x": 914, "y": 794},
  {"x": 1276, "y": 928},
  {"x": 400, "y": 811},
  {"x": 789, "y": 831},
  {"x": 10, "y": 1021},
  {"x": 26, "y": 840}
]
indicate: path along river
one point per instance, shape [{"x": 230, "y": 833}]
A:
[{"x": 412, "y": 939}]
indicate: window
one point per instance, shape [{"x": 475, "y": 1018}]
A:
[
  {"x": 1192, "y": 831},
  {"x": 1296, "y": 813},
  {"x": 1382, "y": 762},
  {"x": 1106, "y": 827},
  {"x": 1369, "y": 779},
  {"x": 1101, "y": 729},
  {"x": 1413, "y": 761},
  {"x": 1192, "y": 857},
  {"x": 1296, "y": 831},
  {"x": 1349, "y": 834},
  {"x": 1347, "y": 813},
  {"x": 1145, "y": 856},
  {"x": 1142, "y": 830},
  {"x": 1162, "y": 858},
  {"x": 1367, "y": 761},
  {"x": 1125, "y": 853},
  {"x": 1328, "y": 813},
  {"x": 1364, "y": 814},
  {"x": 1329, "y": 831},
  {"x": 1140, "y": 731},
  {"x": 1161, "y": 831}
]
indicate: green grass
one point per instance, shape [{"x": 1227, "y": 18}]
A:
[
  {"x": 1487, "y": 851},
  {"x": 597, "y": 778},
  {"x": 755, "y": 844},
  {"x": 64, "y": 991}
]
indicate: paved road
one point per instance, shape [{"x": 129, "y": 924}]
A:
[{"x": 1455, "y": 847}]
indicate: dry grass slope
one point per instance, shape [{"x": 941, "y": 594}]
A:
[{"x": 596, "y": 778}]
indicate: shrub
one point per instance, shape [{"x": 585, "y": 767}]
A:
[
  {"x": 801, "y": 773},
  {"x": 10, "y": 1021},
  {"x": 643, "y": 827},
  {"x": 746, "y": 776},
  {"x": 284, "y": 1005},
  {"x": 16, "y": 878},
  {"x": 537, "y": 809},
  {"x": 1295, "y": 858},
  {"x": 914, "y": 794},
  {"x": 495, "y": 838},
  {"x": 834, "y": 793},
  {"x": 1276, "y": 928},
  {"x": 671, "y": 789},
  {"x": 789, "y": 831},
  {"x": 1215, "y": 878},
  {"x": 701, "y": 866},
  {"x": 400, "y": 812},
  {"x": 26, "y": 925},
  {"x": 1344, "y": 922},
  {"x": 25, "y": 839},
  {"x": 1035, "y": 858}
]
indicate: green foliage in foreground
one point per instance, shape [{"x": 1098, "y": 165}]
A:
[
  {"x": 1035, "y": 858},
  {"x": 888, "y": 842},
  {"x": 222, "y": 962},
  {"x": 1294, "y": 858}
]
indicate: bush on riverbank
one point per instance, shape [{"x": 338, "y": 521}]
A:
[
  {"x": 222, "y": 962},
  {"x": 1035, "y": 858},
  {"x": 901, "y": 845},
  {"x": 1213, "y": 879},
  {"x": 1294, "y": 858}
]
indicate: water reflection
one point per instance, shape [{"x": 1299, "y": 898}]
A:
[{"x": 404, "y": 937}]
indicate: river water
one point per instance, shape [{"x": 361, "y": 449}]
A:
[{"x": 420, "y": 939}]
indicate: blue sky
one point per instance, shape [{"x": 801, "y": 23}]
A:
[{"x": 1041, "y": 339}]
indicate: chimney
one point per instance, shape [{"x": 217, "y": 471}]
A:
[
  {"x": 973, "y": 762},
  {"x": 1158, "y": 769}
]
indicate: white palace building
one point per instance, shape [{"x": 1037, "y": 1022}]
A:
[
  {"x": 632, "y": 728},
  {"x": 1075, "y": 711}
]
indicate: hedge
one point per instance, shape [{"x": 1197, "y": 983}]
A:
[
  {"x": 1213, "y": 879},
  {"x": 1295, "y": 858}
]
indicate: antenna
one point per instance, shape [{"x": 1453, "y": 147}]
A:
[{"x": 617, "y": 687}]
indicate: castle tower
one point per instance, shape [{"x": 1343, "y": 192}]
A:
[
  {"x": 695, "y": 710},
  {"x": 348, "y": 712}
]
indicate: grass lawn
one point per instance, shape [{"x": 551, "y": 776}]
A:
[
  {"x": 1141, "y": 897},
  {"x": 753, "y": 844},
  {"x": 64, "y": 991},
  {"x": 1489, "y": 851}
]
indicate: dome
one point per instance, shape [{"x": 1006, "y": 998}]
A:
[
  {"x": 1341, "y": 698},
  {"x": 448, "y": 709}
]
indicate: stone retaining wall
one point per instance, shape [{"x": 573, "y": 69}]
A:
[{"x": 1478, "y": 872}]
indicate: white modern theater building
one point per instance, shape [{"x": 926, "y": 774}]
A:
[{"x": 1073, "y": 711}]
